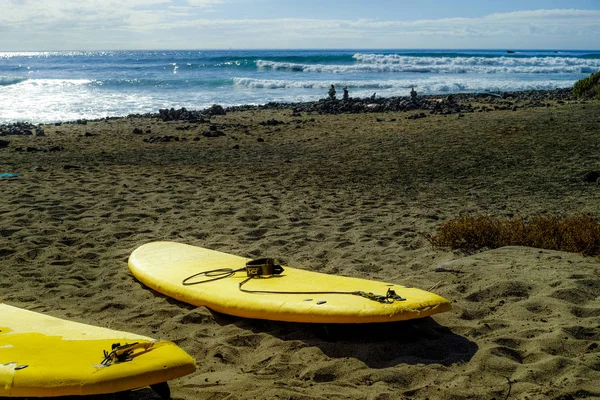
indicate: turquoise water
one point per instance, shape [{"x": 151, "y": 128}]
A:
[{"x": 60, "y": 86}]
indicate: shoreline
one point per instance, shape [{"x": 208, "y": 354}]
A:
[{"x": 357, "y": 105}]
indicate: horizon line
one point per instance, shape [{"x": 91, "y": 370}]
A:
[{"x": 311, "y": 49}]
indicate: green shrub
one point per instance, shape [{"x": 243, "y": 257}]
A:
[
  {"x": 588, "y": 87},
  {"x": 578, "y": 234}
]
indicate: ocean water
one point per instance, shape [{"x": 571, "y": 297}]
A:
[{"x": 64, "y": 86}]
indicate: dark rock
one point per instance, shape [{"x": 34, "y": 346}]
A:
[
  {"x": 215, "y": 109},
  {"x": 213, "y": 133},
  {"x": 4, "y": 143},
  {"x": 178, "y": 115},
  {"x": 272, "y": 122},
  {"x": 591, "y": 176},
  {"x": 30, "y": 149},
  {"x": 161, "y": 139},
  {"x": 417, "y": 116},
  {"x": 137, "y": 131}
]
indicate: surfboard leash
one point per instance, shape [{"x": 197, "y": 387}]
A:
[
  {"x": 265, "y": 268},
  {"x": 122, "y": 353},
  {"x": 389, "y": 297}
]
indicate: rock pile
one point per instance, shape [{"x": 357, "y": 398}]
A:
[
  {"x": 183, "y": 114},
  {"x": 434, "y": 104},
  {"x": 18, "y": 129},
  {"x": 457, "y": 103}
]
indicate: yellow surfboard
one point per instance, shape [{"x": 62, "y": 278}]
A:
[
  {"x": 228, "y": 284},
  {"x": 43, "y": 356}
]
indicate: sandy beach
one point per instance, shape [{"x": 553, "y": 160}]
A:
[{"x": 348, "y": 194}]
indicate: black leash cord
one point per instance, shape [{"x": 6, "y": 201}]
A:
[
  {"x": 389, "y": 297},
  {"x": 278, "y": 292},
  {"x": 223, "y": 273},
  {"x": 220, "y": 273}
]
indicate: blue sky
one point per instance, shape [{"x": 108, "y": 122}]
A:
[{"x": 30, "y": 25}]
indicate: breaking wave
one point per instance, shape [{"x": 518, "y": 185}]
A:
[
  {"x": 11, "y": 80},
  {"x": 394, "y": 63},
  {"x": 403, "y": 86}
]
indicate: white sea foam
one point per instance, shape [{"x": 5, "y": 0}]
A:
[
  {"x": 426, "y": 85},
  {"x": 53, "y": 84},
  {"x": 50, "y": 100},
  {"x": 48, "y": 54},
  {"x": 291, "y": 84},
  {"x": 53, "y": 100},
  {"x": 379, "y": 63}
]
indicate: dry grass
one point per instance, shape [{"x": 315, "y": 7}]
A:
[
  {"x": 588, "y": 87},
  {"x": 579, "y": 234}
]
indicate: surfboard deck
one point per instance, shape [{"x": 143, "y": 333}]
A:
[
  {"x": 163, "y": 266},
  {"x": 44, "y": 356}
]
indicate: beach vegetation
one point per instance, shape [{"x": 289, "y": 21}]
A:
[
  {"x": 578, "y": 234},
  {"x": 588, "y": 87}
]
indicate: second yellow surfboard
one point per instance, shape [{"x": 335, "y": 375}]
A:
[
  {"x": 44, "y": 356},
  {"x": 295, "y": 295}
]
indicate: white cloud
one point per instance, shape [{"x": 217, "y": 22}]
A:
[
  {"x": 204, "y": 3},
  {"x": 502, "y": 27},
  {"x": 91, "y": 24}
]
